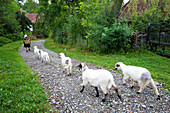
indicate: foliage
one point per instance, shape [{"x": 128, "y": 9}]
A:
[
  {"x": 73, "y": 20},
  {"x": 156, "y": 12},
  {"x": 106, "y": 33},
  {"x": 8, "y": 21},
  {"x": 4, "y": 41},
  {"x": 30, "y": 6},
  {"x": 20, "y": 89},
  {"x": 11, "y": 20},
  {"x": 160, "y": 69},
  {"x": 32, "y": 37},
  {"x": 15, "y": 36}
]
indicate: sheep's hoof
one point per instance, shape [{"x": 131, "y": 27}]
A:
[
  {"x": 158, "y": 98},
  {"x": 132, "y": 87},
  {"x": 138, "y": 92},
  {"x": 97, "y": 95},
  {"x": 103, "y": 100},
  {"x": 124, "y": 84}
]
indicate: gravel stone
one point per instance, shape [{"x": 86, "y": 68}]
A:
[{"x": 63, "y": 92}]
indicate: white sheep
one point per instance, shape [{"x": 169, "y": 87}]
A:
[
  {"x": 36, "y": 52},
  {"x": 98, "y": 78},
  {"x": 139, "y": 74},
  {"x": 66, "y": 63},
  {"x": 44, "y": 56}
]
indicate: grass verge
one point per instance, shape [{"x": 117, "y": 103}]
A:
[
  {"x": 20, "y": 91},
  {"x": 158, "y": 66}
]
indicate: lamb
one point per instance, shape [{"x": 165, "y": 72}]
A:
[
  {"x": 66, "y": 63},
  {"x": 44, "y": 56},
  {"x": 36, "y": 51},
  {"x": 139, "y": 74},
  {"x": 98, "y": 78}
]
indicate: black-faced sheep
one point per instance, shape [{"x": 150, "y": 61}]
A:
[{"x": 98, "y": 78}]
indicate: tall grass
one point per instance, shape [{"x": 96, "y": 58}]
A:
[
  {"x": 20, "y": 90},
  {"x": 157, "y": 65}
]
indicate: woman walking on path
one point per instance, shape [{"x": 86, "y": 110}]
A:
[{"x": 27, "y": 43}]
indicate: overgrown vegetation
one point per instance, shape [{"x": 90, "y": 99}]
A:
[
  {"x": 155, "y": 12},
  {"x": 157, "y": 65},
  {"x": 19, "y": 86},
  {"x": 93, "y": 25}
]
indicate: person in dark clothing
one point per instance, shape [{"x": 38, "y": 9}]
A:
[{"x": 27, "y": 43}]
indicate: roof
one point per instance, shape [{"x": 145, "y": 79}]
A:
[
  {"x": 31, "y": 17},
  {"x": 141, "y": 6}
]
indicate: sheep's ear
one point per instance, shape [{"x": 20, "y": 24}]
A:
[
  {"x": 79, "y": 66},
  {"x": 117, "y": 65},
  {"x": 67, "y": 61}
]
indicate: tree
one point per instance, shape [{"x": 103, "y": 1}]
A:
[
  {"x": 8, "y": 21},
  {"x": 156, "y": 12}
]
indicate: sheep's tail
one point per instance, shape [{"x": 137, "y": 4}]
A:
[{"x": 110, "y": 84}]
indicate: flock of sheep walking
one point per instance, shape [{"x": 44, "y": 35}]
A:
[{"x": 102, "y": 78}]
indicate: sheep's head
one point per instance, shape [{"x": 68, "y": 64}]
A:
[
  {"x": 40, "y": 51},
  {"x": 82, "y": 66},
  {"x": 61, "y": 55},
  {"x": 118, "y": 66},
  {"x": 35, "y": 47}
]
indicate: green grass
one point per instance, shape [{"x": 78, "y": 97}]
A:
[
  {"x": 157, "y": 65},
  {"x": 20, "y": 90}
]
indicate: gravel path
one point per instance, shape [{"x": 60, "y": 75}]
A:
[{"x": 64, "y": 94}]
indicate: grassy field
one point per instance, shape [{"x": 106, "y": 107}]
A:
[
  {"x": 157, "y": 65},
  {"x": 20, "y": 90}
]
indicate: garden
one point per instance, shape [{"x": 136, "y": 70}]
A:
[{"x": 97, "y": 32}]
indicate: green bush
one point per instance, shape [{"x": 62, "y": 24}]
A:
[
  {"x": 14, "y": 36},
  {"x": 110, "y": 39},
  {"x": 4, "y": 41}
]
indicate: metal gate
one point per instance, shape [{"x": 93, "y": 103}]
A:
[{"x": 158, "y": 38}]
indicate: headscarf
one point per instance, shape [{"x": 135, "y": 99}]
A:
[{"x": 25, "y": 36}]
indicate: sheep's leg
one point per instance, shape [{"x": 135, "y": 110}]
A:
[
  {"x": 103, "y": 87},
  {"x": 141, "y": 88},
  {"x": 104, "y": 99},
  {"x": 132, "y": 85},
  {"x": 155, "y": 88},
  {"x": 116, "y": 89},
  {"x": 97, "y": 95},
  {"x": 124, "y": 78},
  {"x": 82, "y": 89},
  {"x": 85, "y": 82},
  {"x": 64, "y": 69},
  {"x": 42, "y": 59},
  {"x": 70, "y": 69}
]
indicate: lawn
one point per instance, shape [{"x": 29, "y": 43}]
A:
[
  {"x": 158, "y": 66},
  {"x": 20, "y": 90}
]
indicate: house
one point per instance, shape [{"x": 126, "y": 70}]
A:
[
  {"x": 32, "y": 17},
  {"x": 141, "y": 7}
]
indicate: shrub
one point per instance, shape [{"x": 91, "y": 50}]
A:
[
  {"x": 33, "y": 37},
  {"x": 4, "y": 41},
  {"x": 14, "y": 36},
  {"x": 109, "y": 39}
]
